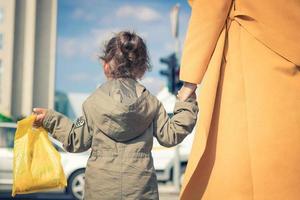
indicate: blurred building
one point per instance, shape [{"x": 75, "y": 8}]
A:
[
  {"x": 27, "y": 55},
  {"x": 64, "y": 105}
]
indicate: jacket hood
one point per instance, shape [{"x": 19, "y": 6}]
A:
[{"x": 124, "y": 109}]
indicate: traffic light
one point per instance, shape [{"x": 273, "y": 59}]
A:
[{"x": 172, "y": 72}]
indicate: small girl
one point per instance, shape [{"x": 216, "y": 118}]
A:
[{"x": 119, "y": 121}]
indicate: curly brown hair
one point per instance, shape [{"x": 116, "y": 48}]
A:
[{"x": 127, "y": 55}]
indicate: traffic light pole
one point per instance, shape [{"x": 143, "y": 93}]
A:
[{"x": 177, "y": 163}]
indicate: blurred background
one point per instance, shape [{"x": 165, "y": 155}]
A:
[{"x": 49, "y": 58}]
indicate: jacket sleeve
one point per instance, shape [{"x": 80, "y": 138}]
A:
[
  {"x": 171, "y": 131},
  {"x": 205, "y": 26},
  {"x": 75, "y": 136}
]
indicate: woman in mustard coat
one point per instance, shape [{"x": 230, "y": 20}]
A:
[{"x": 246, "y": 55}]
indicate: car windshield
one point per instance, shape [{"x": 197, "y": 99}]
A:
[{"x": 7, "y": 137}]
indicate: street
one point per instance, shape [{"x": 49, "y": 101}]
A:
[{"x": 166, "y": 192}]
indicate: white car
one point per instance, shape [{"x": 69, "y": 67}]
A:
[
  {"x": 164, "y": 157},
  {"x": 73, "y": 164}
]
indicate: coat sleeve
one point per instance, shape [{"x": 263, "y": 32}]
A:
[
  {"x": 205, "y": 26},
  {"x": 171, "y": 131},
  {"x": 75, "y": 136}
]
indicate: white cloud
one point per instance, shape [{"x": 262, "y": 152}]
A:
[
  {"x": 88, "y": 45},
  {"x": 153, "y": 84},
  {"x": 82, "y": 76},
  {"x": 72, "y": 46},
  {"x": 101, "y": 35},
  {"x": 141, "y": 13},
  {"x": 82, "y": 14},
  {"x": 79, "y": 77},
  {"x": 170, "y": 47},
  {"x": 66, "y": 46}
]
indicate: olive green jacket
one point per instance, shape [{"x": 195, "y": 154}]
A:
[{"x": 119, "y": 122}]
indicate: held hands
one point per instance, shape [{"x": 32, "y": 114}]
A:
[
  {"x": 186, "y": 91},
  {"x": 40, "y": 116}
]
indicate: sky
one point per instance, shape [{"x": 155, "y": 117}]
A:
[{"x": 84, "y": 26}]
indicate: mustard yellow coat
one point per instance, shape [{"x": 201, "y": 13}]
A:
[{"x": 246, "y": 55}]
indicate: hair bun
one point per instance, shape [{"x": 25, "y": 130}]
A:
[{"x": 129, "y": 44}]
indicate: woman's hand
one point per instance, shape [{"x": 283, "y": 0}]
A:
[
  {"x": 186, "y": 91},
  {"x": 40, "y": 116}
]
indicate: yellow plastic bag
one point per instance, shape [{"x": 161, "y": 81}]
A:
[{"x": 36, "y": 164}]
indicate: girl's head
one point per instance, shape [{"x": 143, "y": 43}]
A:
[{"x": 125, "y": 56}]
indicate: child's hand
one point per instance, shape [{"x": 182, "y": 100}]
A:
[
  {"x": 186, "y": 91},
  {"x": 40, "y": 116}
]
